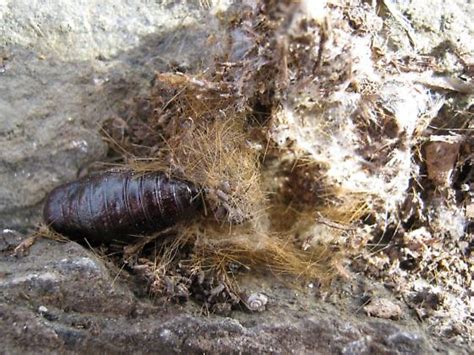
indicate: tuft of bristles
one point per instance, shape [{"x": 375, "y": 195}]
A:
[
  {"x": 248, "y": 250},
  {"x": 206, "y": 259},
  {"x": 214, "y": 132},
  {"x": 206, "y": 143}
]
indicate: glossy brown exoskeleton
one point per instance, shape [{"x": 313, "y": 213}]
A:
[{"x": 115, "y": 204}]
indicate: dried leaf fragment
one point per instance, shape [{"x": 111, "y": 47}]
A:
[{"x": 441, "y": 155}]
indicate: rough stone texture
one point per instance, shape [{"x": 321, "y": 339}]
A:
[
  {"x": 60, "y": 297},
  {"x": 440, "y": 27},
  {"x": 43, "y": 135},
  {"x": 63, "y": 69}
]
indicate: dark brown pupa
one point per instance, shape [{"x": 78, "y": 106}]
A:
[{"x": 116, "y": 204}]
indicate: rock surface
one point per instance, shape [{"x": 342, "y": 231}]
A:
[
  {"x": 63, "y": 70},
  {"x": 61, "y": 297}
]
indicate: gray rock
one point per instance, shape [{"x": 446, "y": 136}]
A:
[
  {"x": 65, "y": 70},
  {"x": 61, "y": 297},
  {"x": 44, "y": 137}
]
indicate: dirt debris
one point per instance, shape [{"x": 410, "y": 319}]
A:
[{"x": 310, "y": 134}]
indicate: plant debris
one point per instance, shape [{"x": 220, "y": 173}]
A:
[{"x": 314, "y": 140}]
